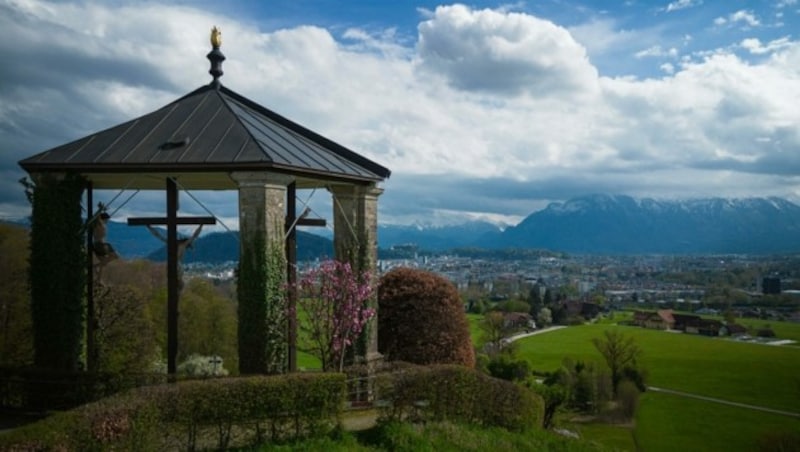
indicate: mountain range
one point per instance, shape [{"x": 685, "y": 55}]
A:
[
  {"x": 617, "y": 224},
  {"x": 593, "y": 224},
  {"x": 608, "y": 224}
]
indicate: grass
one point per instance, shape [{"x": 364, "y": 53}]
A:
[
  {"x": 667, "y": 423},
  {"x": 306, "y": 361},
  {"x": 783, "y": 330},
  {"x": 619, "y": 437},
  {"x": 439, "y": 437},
  {"x": 742, "y": 372}
]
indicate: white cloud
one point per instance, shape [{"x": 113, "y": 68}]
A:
[
  {"x": 493, "y": 51},
  {"x": 657, "y": 51},
  {"x": 682, "y": 4},
  {"x": 755, "y": 46},
  {"x": 489, "y": 114},
  {"x": 743, "y": 18}
]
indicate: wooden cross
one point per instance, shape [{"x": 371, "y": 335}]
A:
[{"x": 172, "y": 221}]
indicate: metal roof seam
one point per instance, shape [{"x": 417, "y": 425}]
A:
[
  {"x": 219, "y": 142},
  {"x": 196, "y": 139}
]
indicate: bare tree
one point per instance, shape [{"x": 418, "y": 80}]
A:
[{"x": 620, "y": 353}]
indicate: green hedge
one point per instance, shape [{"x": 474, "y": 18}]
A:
[
  {"x": 450, "y": 392},
  {"x": 32, "y": 389},
  {"x": 216, "y": 413}
]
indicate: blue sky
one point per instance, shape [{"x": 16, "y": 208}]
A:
[{"x": 483, "y": 110}]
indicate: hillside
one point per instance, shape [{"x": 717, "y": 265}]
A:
[{"x": 219, "y": 247}]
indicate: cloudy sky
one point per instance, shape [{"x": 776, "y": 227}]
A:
[{"x": 481, "y": 110}]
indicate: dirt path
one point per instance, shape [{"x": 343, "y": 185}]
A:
[{"x": 724, "y": 402}]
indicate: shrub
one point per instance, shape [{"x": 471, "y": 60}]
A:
[
  {"x": 203, "y": 366},
  {"x": 588, "y": 388},
  {"x": 515, "y": 306},
  {"x": 421, "y": 319},
  {"x": 176, "y": 416},
  {"x": 627, "y": 399},
  {"x": 456, "y": 393},
  {"x": 507, "y": 368}
]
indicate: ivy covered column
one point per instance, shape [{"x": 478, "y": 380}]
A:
[
  {"x": 355, "y": 240},
  {"x": 57, "y": 277},
  {"x": 262, "y": 272}
]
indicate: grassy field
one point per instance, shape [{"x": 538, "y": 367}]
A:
[
  {"x": 667, "y": 423},
  {"x": 742, "y": 372}
]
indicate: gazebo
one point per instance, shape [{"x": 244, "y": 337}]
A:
[{"x": 216, "y": 139}]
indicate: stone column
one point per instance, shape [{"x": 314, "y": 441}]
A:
[
  {"x": 355, "y": 240},
  {"x": 262, "y": 271}
]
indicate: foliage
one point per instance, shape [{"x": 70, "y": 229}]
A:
[
  {"x": 16, "y": 345},
  {"x": 620, "y": 353},
  {"x": 262, "y": 309},
  {"x": 207, "y": 324},
  {"x": 334, "y": 300},
  {"x": 181, "y": 416},
  {"x": 514, "y": 306},
  {"x": 422, "y": 319},
  {"x": 124, "y": 336},
  {"x": 494, "y": 330},
  {"x": 505, "y": 367},
  {"x": 554, "y": 395},
  {"x": 203, "y": 366},
  {"x": 456, "y": 393},
  {"x": 545, "y": 317},
  {"x": 31, "y": 389},
  {"x": 535, "y": 300},
  {"x": 627, "y": 399},
  {"x": 587, "y": 387},
  {"x": 449, "y": 436},
  {"x": 57, "y": 275},
  {"x": 131, "y": 317}
]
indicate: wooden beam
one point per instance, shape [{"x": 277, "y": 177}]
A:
[
  {"x": 145, "y": 221},
  {"x": 172, "y": 278},
  {"x": 311, "y": 222}
]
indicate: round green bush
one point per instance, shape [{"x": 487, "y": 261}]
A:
[{"x": 421, "y": 319}]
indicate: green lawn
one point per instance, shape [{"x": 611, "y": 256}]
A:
[
  {"x": 742, "y": 372},
  {"x": 618, "y": 437},
  {"x": 474, "y": 328},
  {"x": 668, "y": 423}
]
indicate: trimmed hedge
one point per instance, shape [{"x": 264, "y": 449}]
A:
[
  {"x": 456, "y": 393},
  {"x": 193, "y": 414},
  {"x": 32, "y": 389}
]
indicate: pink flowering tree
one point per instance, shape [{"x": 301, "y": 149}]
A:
[{"x": 333, "y": 299}]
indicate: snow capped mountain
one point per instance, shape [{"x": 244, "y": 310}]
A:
[{"x": 615, "y": 224}]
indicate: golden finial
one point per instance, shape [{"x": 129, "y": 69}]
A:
[{"x": 216, "y": 37}]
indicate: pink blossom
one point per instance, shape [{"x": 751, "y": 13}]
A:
[{"x": 334, "y": 300}]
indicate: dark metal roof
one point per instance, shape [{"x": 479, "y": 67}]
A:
[{"x": 203, "y": 136}]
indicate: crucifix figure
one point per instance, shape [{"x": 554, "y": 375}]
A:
[
  {"x": 174, "y": 253},
  {"x": 183, "y": 244}
]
